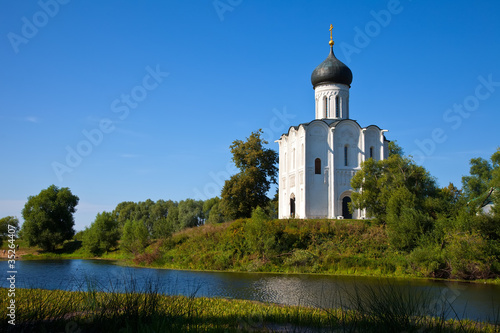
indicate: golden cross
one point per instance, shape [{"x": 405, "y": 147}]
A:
[{"x": 331, "y": 36}]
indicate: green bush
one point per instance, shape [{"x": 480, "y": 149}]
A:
[
  {"x": 467, "y": 255},
  {"x": 300, "y": 258},
  {"x": 260, "y": 233},
  {"x": 405, "y": 223},
  {"x": 429, "y": 261}
]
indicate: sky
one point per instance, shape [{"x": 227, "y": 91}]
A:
[{"x": 136, "y": 100}]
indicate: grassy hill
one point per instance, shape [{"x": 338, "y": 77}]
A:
[{"x": 290, "y": 246}]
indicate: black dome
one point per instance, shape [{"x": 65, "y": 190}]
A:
[{"x": 332, "y": 70}]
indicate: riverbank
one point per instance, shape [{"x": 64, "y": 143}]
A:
[
  {"x": 147, "y": 309},
  {"x": 330, "y": 247},
  {"x": 131, "y": 263}
]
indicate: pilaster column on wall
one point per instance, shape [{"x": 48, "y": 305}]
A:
[{"x": 382, "y": 149}]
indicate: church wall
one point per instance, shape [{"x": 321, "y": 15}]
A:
[
  {"x": 317, "y": 183},
  {"x": 373, "y": 140},
  {"x": 347, "y": 136},
  {"x": 320, "y": 194},
  {"x": 300, "y": 173},
  {"x": 292, "y": 173},
  {"x": 282, "y": 175}
]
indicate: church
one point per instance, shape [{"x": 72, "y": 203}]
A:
[{"x": 318, "y": 159}]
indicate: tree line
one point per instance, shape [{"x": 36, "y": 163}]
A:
[{"x": 136, "y": 224}]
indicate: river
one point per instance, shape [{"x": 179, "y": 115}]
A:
[{"x": 468, "y": 300}]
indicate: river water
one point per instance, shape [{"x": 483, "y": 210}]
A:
[{"x": 467, "y": 300}]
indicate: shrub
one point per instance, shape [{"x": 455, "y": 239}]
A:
[
  {"x": 405, "y": 223},
  {"x": 429, "y": 261},
  {"x": 259, "y": 232},
  {"x": 300, "y": 258},
  {"x": 466, "y": 253}
]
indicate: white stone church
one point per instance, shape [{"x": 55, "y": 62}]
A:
[{"x": 318, "y": 159}]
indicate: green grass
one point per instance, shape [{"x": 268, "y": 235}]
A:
[{"x": 147, "y": 309}]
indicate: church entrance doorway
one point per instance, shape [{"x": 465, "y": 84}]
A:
[
  {"x": 345, "y": 208},
  {"x": 292, "y": 205}
]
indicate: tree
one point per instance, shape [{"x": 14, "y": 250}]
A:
[
  {"x": 159, "y": 214},
  {"x": 173, "y": 218},
  {"x": 48, "y": 217},
  {"x": 135, "y": 236},
  {"x": 450, "y": 198},
  {"x": 495, "y": 182},
  {"x": 247, "y": 189},
  {"x": 143, "y": 211},
  {"x": 395, "y": 149},
  {"x": 478, "y": 183},
  {"x": 190, "y": 213},
  {"x": 103, "y": 234},
  {"x": 405, "y": 223},
  {"x": 209, "y": 204},
  {"x": 124, "y": 211},
  {"x": 376, "y": 182},
  {"x": 4, "y": 227},
  {"x": 212, "y": 211},
  {"x": 482, "y": 186}
]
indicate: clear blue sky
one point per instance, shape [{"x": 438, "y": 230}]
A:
[{"x": 222, "y": 69}]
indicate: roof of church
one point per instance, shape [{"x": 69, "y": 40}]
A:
[
  {"x": 329, "y": 123},
  {"x": 332, "y": 70}
]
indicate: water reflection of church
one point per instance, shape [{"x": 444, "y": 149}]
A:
[{"x": 318, "y": 159}]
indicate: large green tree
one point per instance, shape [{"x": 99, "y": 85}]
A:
[
  {"x": 4, "y": 227},
  {"x": 400, "y": 193},
  {"x": 102, "y": 235},
  {"x": 481, "y": 188},
  {"x": 248, "y": 189},
  {"x": 378, "y": 181},
  {"x": 48, "y": 217}
]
